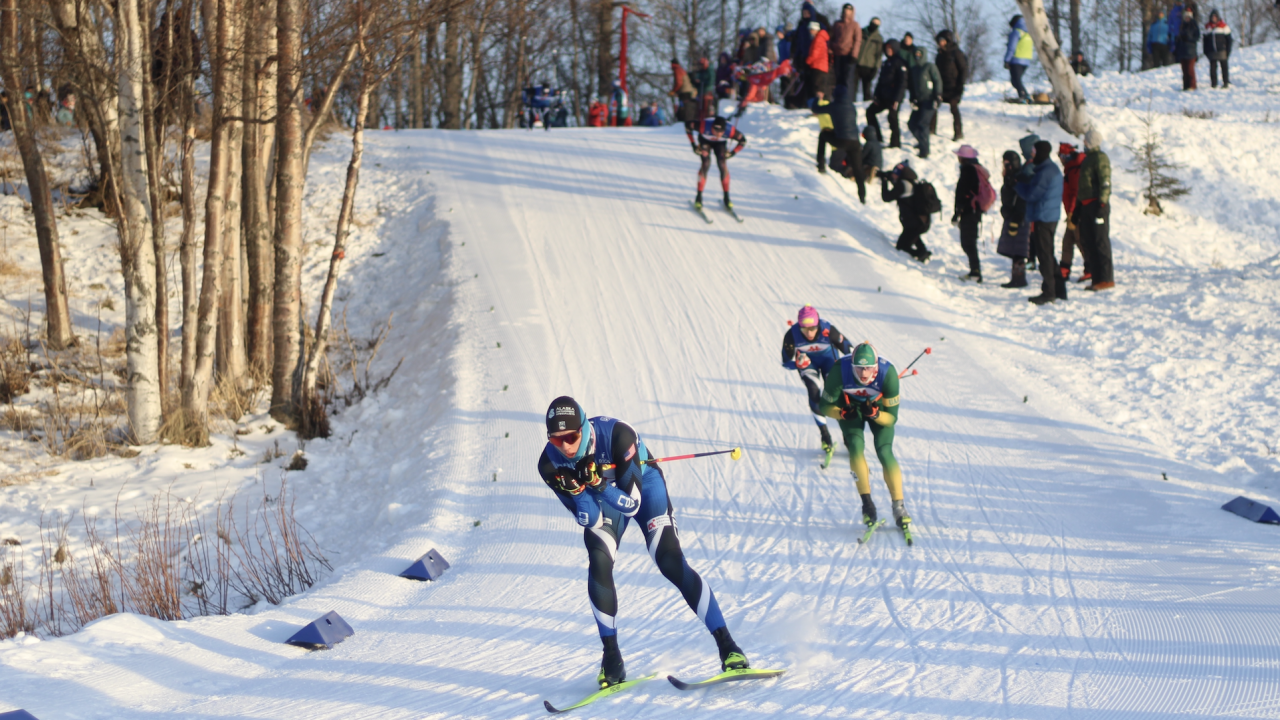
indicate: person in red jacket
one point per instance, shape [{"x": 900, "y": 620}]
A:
[
  {"x": 1072, "y": 159},
  {"x": 597, "y": 112},
  {"x": 818, "y": 61}
]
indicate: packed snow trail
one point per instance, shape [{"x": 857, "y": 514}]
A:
[{"x": 1054, "y": 574}]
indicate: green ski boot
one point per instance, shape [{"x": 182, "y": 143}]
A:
[
  {"x": 697, "y": 202},
  {"x": 900, "y": 514}
]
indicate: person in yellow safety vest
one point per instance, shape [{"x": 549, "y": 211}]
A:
[{"x": 1017, "y": 56}]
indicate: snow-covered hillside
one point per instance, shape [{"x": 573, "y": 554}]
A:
[{"x": 1056, "y": 573}]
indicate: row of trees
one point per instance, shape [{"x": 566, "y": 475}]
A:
[{"x": 147, "y": 75}]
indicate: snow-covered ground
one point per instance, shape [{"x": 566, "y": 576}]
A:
[{"x": 1056, "y": 573}]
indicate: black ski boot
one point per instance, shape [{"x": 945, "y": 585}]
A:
[
  {"x": 827, "y": 444},
  {"x": 697, "y": 202},
  {"x": 868, "y": 510},
  {"x": 612, "y": 671},
  {"x": 731, "y": 656},
  {"x": 727, "y": 203}
]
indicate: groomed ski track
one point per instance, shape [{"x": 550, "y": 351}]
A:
[{"x": 1054, "y": 574}]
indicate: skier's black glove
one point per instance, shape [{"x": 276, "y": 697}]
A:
[
  {"x": 870, "y": 410},
  {"x": 582, "y": 476},
  {"x": 696, "y": 151},
  {"x": 848, "y": 409}
]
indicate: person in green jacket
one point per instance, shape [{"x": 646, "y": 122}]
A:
[
  {"x": 869, "y": 58},
  {"x": 1093, "y": 210},
  {"x": 862, "y": 391},
  {"x": 925, "y": 84}
]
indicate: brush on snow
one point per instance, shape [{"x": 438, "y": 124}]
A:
[{"x": 734, "y": 453}]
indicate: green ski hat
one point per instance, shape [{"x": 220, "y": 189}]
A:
[{"x": 864, "y": 355}]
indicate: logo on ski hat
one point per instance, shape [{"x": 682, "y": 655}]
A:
[
  {"x": 808, "y": 316},
  {"x": 564, "y": 414}
]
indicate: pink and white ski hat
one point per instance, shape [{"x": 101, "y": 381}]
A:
[
  {"x": 968, "y": 151},
  {"x": 808, "y": 317}
]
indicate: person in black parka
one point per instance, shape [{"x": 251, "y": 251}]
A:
[
  {"x": 1015, "y": 236},
  {"x": 890, "y": 89}
]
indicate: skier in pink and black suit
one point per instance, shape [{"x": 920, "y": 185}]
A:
[{"x": 811, "y": 347}]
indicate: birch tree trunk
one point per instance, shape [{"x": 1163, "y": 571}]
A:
[
  {"x": 321, "y": 114},
  {"x": 323, "y": 319},
  {"x": 286, "y": 313},
  {"x": 259, "y": 103},
  {"x": 1068, "y": 97},
  {"x": 187, "y": 246},
  {"x": 154, "y": 117},
  {"x": 137, "y": 252},
  {"x": 231, "y": 358},
  {"x": 195, "y": 396},
  {"x": 58, "y": 333},
  {"x": 451, "y": 97}
]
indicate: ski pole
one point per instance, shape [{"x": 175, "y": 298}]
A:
[
  {"x": 927, "y": 351},
  {"x": 734, "y": 453}
]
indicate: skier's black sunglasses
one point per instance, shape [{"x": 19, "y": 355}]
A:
[{"x": 565, "y": 438}]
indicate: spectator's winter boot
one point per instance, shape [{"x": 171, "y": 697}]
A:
[
  {"x": 1085, "y": 277},
  {"x": 1018, "y": 279},
  {"x": 827, "y": 445},
  {"x": 868, "y": 509},
  {"x": 900, "y": 515},
  {"x": 612, "y": 670},
  {"x": 1041, "y": 299},
  {"x": 1060, "y": 288},
  {"x": 731, "y": 656},
  {"x": 697, "y": 202}
]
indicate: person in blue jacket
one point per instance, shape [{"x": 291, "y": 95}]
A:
[
  {"x": 1017, "y": 55},
  {"x": 811, "y": 347},
  {"x": 1175, "y": 24},
  {"x": 1043, "y": 193},
  {"x": 1158, "y": 42},
  {"x": 603, "y": 473}
]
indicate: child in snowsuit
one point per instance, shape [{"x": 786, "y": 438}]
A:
[{"x": 1015, "y": 233}]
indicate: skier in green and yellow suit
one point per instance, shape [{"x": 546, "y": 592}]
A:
[{"x": 862, "y": 390}]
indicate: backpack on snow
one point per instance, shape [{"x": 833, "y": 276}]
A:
[
  {"x": 927, "y": 198},
  {"x": 987, "y": 195}
]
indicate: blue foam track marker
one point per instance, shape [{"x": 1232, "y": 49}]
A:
[
  {"x": 1252, "y": 510},
  {"x": 325, "y": 631},
  {"x": 17, "y": 715},
  {"x": 428, "y": 567}
]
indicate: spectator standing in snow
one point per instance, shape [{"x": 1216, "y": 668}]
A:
[
  {"x": 685, "y": 94},
  {"x": 783, "y": 43},
  {"x": 1188, "y": 49},
  {"x": 1043, "y": 193},
  {"x": 1071, "y": 158},
  {"x": 1017, "y": 55},
  {"x": 65, "y": 115},
  {"x": 899, "y": 185},
  {"x": 846, "y": 43},
  {"x": 619, "y": 107},
  {"x": 1028, "y": 146},
  {"x": 818, "y": 104},
  {"x": 1158, "y": 42},
  {"x": 890, "y": 89},
  {"x": 968, "y": 215},
  {"x": 1217, "y": 48},
  {"x": 953, "y": 66},
  {"x": 1175, "y": 25},
  {"x": 819, "y": 61},
  {"x": 703, "y": 85},
  {"x": 724, "y": 75},
  {"x": 1093, "y": 210},
  {"x": 872, "y": 156},
  {"x": 597, "y": 113},
  {"x": 842, "y": 136},
  {"x": 926, "y": 93},
  {"x": 869, "y": 57},
  {"x": 1015, "y": 231},
  {"x": 1080, "y": 65}
]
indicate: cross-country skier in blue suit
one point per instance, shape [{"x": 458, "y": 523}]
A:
[
  {"x": 594, "y": 467},
  {"x": 811, "y": 347}
]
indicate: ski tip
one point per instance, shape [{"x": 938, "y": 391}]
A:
[{"x": 550, "y": 708}]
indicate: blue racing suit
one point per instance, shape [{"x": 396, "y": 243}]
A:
[
  {"x": 822, "y": 352},
  {"x": 613, "y": 442}
]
